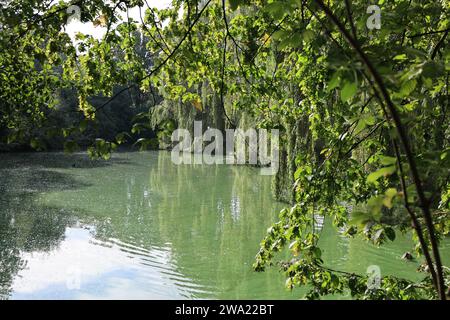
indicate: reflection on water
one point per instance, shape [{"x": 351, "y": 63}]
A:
[
  {"x": 84, "y": 268},
  {"x": 139, "y": 227}
]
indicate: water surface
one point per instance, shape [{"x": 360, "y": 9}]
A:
[{"x": 139, "y": 227}]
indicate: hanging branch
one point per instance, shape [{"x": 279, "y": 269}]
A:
[
  {"x": 31, "y": 24},
  {"x": 439, "y": 45},
  {"x": 350, "y": 17},
  {"x": 424, "y": 202},
  {"x": 222, "y": 85},
  {"x": 162, "y": 64},
  {"x": 428, "y": 33},
  {"x": 413, "y": 216},
  {"x": 157, "y": 27}
]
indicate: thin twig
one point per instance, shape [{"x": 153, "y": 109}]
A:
[{"x": 413, "y": 216}]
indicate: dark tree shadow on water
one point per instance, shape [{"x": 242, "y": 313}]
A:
[{"x": 58, "y": 160}]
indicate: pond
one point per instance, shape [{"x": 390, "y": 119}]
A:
[{"x": 140, "y": 227}]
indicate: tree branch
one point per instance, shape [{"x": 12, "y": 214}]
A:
[
  {"x": 158, "y": 67},
  {"x": 438, "y": 45},
  {"x": 413, "y": 216},
  {"x": 403, "y": 138}
]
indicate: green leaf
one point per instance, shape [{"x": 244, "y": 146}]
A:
[
  {"x": 369, "y": 119},
  {"x": 390, "y": 233},
  {"x": 348, "y": 91},
  {"x": 359, "y": 217},
  {"x": 280, "y": 34},
  {"x": 406, "y": 89},
  {"x": 387, "y": 161},
  {"x": 389, "y": 195},
  {"x": 275, "y": 9},
  {"x": 297, "y": 173},
  {"x": 360, "y": 126},
  {"x": 12, "y": 137},
  {"x": 383, "y": 172},
  {"x": 401, "y": 57},
  {"x": 432, "y": 69},
  {"x": 375, "y": 204},
  {"x": 334, "y": 81},
  {"x": 317, "y": 252},
  {"x": 122, "y": 137},
  {"x": 308, "y": 35}
]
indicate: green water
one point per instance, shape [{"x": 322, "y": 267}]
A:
[{"x": 139, "y": 227}]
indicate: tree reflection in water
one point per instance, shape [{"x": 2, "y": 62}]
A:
[{"x": 152, "y": 229}]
